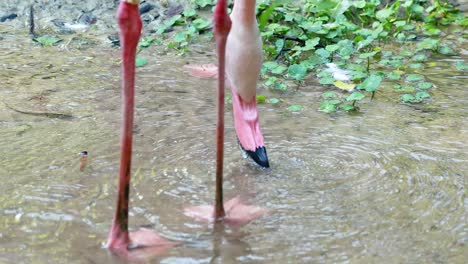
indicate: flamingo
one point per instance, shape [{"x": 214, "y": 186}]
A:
[
  {"x": 243, "y": 64},
  {"x": 234, "y": 212},
  {"x": 143, "y": 243}
]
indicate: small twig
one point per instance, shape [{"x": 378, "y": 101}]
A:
[
  {"x": 296, "y": 39},
  {"x": 46, "y": 114},
  {"x": 31, "y": 22}
]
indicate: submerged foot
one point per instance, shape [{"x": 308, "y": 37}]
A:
[
  {"x": 202, "y": 70},
  {"x": 143, "y": 245},
  {"x": 238, "y": 213}
]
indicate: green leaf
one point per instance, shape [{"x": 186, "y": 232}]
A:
[
  {"x": 408, "y": 98},
  {"x": 270, "y": 65},
  {"x": 371, "y": 83},
  {"x": 311, "y": 43},
  {"x": 424, "y": 85},
  {"x": 355, "y": 96},
  {"x": 431, "y": 29},
  {"x": 297, "y": 72},
  {"x": 189, "y": 12},
  {"x": 404, "y": 88},
  {"x": 329, "y": 106},
  {"x": 280, "y": 86},
  {"x": 326, "y": 80},
  {"x": 201, "y": 24},
  {"x": 295, "y": 108},
  {"x": 461, "y": 66},
  {"x": 324, "y": 54},
  {"x": 359, "y": 4},
  {"x": 384, "y": 14},
  {"x": 228, "y": 98},
  {"x": 140, "y": 61},
  {"x": 328, "y": 95},
  {"x": 399, "y": 23},
  {"x": 279, "y": 70},
  {"x": 368, "y": 55},
  {"x": 47, "y": 40},
  {"x": 394, "y": 75},
  {"x": 273, "y": 100},
  {"x": 146, "y": 42},
  {"x": 265, "y": 16},
  {"x": 422, "y": 95},
  {"x": 416, "y": 65},
  {"x": 332, "y": 47},
  {"x": 279, "y": 44},
  {"x": 428, "y": 43},
  {"x": 445, "y": 50},
  {"x": 203, "y": 3},
  {"x": 419, "y": 57},
  {"x": 414, "y": 77},
  {"x": 180, "y": 37},
  {"x": 348, "y": 107},
  {"x": 261, "y": 99}
]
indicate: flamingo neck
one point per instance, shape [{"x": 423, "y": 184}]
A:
[{"x": 244, "y": 11}]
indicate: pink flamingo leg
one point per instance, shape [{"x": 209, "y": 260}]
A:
[
  {"x": 221, "y": 28},
  {"x": 143, "y": 243},
  {"x": 233, "y": 212}
]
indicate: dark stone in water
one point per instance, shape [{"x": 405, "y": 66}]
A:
[
  {"x": 58, "y": 23},
  {"x": 173, "y": 10},
  {"x": 146, "y": 7},
  {"x": 87, "y": 19},
  {"x": 8, "y": 17},
  {"x": 114, "y": 39},
  {"x": 146, "y": 18}
]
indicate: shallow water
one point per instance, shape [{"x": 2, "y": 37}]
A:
[{"x": 383, "y": 186}]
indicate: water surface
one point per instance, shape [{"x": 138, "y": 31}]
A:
[{"x": 386, "y": 185}]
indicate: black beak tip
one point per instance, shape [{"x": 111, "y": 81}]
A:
[{"x": 260, "y": 157}]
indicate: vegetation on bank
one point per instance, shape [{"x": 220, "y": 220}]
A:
[
  {"x": 351, "y": 47},
  {"x": 358, "y": 37}
]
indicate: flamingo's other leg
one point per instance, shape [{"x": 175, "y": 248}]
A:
[
  {"x": 233, "y": 212},
  {"x": 143, "y": 243}
]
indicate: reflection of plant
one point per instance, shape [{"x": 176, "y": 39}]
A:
[
  {"x": 47, "y": 40},
  {"x": 300, "y": 37}
]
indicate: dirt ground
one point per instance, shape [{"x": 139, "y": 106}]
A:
[
  {"x": 95, "y": 17},
  {"x": 54, "y": 14},
  {"x": 69, "y": 16}
]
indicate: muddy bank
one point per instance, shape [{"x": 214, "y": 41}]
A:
[
  {"x": 67, "y": 16},
  {"x": 94, "y": 17}
]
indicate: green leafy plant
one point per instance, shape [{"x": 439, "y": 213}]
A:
[{"x": 372, "y": 41}]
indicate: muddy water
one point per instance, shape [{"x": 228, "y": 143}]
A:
[{"x": 383, "y": 186}]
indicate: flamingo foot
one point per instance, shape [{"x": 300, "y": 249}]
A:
[
  {"x": 144, "y": 245},
  {"x": 204, "y": 71},
  {"x": 147, "y": 238},
  {"x": 238, "y": 214}
]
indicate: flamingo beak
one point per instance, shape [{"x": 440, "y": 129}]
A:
[{"x": 259, "y": 156}]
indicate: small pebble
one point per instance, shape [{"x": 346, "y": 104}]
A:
[
  {"x": 146, "y": 7},
  {"x": 87, "y": 19},
  {"x": 174, "y": 9},
  {"x": 8, "y": 17}
]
